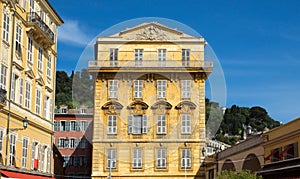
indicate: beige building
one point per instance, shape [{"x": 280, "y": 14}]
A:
[
  {"x": 27, "y": 80},
  {"x": 149, "y": 118}
]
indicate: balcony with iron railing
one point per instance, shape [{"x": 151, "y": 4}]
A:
[
  {"x": 149, "y": 65},
  {"x": 34, "y": 19}
]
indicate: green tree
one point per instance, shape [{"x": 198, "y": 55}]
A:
[{"x": 226, "y": 174}]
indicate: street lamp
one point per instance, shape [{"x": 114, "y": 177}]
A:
[{"x": 25, "y": 123}]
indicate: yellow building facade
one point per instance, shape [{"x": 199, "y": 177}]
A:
[
  {"x": 281, "y": 147},
  {"x": 28, "y": 53},
  {"x": 149, "y": 116}
]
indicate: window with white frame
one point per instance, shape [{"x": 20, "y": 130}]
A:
[
  {"x": 111, "y": 158},
  {"x": 3, "y": 77},
  {"x": 12, "y": 151},
  {"x": 137, "y": 124},
  {"x": 73, "y": 126},
  {"x": 49, "y": 66},
  {"x": 27, "y": 95},
  {"x": 138, "y": 57},
  {"x": 161, "y": 158},
  {"x": 161, "y": 124},
  {"x": 5, "y": 29},
  {"x": 185, "y": 123},
  {"x": 137, "y": 158},
  {"x": 18, "y": 38},
  {"x": 29, "y": 50},
  {"x": 138, "y": 88},
  {"x": 113, "y": 57},
  {"x": 1, "y": 139},
  {"x": 113, "y": 88},
  {"x": 46, "y": 99},
  {"x": 49, "y": 151},
  {"x": 185, "y": 158},
  {"x": 185, "y": 88},
  {"x": 40, "y": 58},
  {"x": 34, "y": 153},
  {"x": 43, "y": 158},
  {"x": 67, "y": 125},
  {"x": 186, "y": 57},
  {"x": 72, "y": 143},
  {"x": 14, "y": 79},
  {"x": 112, "y": 124},
  {"x": 21, "y": 85},
  {"x": 162, "y": 57},
  {"x": 83, "y": 125},
  {"x": 161, "y": 88},
  {"x": 24, "y": 152},
  {"x": 38, "y": 102}
]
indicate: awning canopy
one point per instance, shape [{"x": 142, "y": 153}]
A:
[{"x": 11, "y": 174}]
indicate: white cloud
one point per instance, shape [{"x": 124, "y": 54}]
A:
[{"x": 71, "y": 32}]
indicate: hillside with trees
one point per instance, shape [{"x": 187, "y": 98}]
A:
[
  {"x": 74, "y": 90},
  {"x": 236, "y": 119}
]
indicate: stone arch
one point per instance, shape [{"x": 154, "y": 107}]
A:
[
  {"x": 228, "y": 165},
  {"x": 251, "y": 163}
]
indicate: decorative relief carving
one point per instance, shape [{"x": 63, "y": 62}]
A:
[
  {"x": 161, "y": 107},
  {"x": 112, "y": 107},
  {"x": 151, "y": 33},
  {"x": 138, "y": 107},
  {"x": 186, "y": 106}
]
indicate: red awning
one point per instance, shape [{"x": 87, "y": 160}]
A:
[{"x": 11, "y": 174}]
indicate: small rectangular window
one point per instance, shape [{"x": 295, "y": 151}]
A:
[
  {"x": 113, "y": 88},
  {"x": 29, "y": 50},
  {"x": 112, "y": 124},
  {"x": 24, "y": 152},
  {"x": 138, "y": 88},
  {"x": 137, "y": 124},
  {"x": 161, "y": 158},
  {"x": 162, "y": 57},
  {"x": 3, "y": 77},
  {"x": 28, "y": 95},
  {"x": 49, "y": 66},
  {"x": 185, "y": 88},
  {"x": 18, "y": 39},
  {"x": 40, "y": 59},
  {"x": 137, "y": 158},
  {"x": 138, "y": 57},
  {"x": 111, "y": 158},
  {"x": 185, "y": 158},
  {"x": 161, "y": 88},
  {"x": 185, "y": 57},
  {"x": 161, "y": 124},
  {"x": 113, "y": 57},
  {"x": 185, "y": 124},
  {"x": 5, "y": 30},
  {"x": 38, "y": 102}
]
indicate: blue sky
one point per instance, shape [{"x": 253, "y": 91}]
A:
[{"x": 257, "y": 42}]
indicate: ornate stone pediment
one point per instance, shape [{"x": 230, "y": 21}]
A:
[
  {"x": 138, "y": 107},
  {"x": 30, "y": 73},
  {"x": 40, "y": 81},
  {"x": 186, "y": 106},
  {"x": 112, "y": 107},
  {"x": 161, "y": 107},
  {"x": 151, "y": 31}
]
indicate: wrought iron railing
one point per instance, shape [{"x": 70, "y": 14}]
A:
[
  {"x": 33, "y": 17},
  {"x": 149, "y": 64}
]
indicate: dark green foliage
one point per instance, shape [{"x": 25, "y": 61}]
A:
[
  {"x": 234, "y": 175},
  {"x": 75, "y": 90},
  {"x": 235, "y": 120}
]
